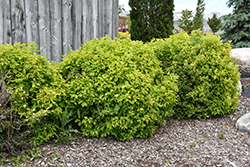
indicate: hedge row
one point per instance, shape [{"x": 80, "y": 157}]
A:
[{"x": 120, "y": 88}]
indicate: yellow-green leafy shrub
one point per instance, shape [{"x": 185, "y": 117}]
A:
[
  {"x": 12, "y": 131},
  {"x": 208, "y": 78},
  {"x": 117, "y": 88},
  {"x": 35, "y": 85}
]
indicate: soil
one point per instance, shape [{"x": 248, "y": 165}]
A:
[
  {"x": 180, "y": 143},
  {"x": 245, "y": 82}
]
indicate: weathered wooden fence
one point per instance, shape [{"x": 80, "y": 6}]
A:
[{"x": 57, "y": 26}]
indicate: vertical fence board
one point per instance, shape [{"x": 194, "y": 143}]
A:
[
  {"x": 95, "y": 18},
  {"x": 32, "y": 27},
  {"x": 87, "y": 21},
  {"x": 89, "y": 27},
  {"x": 44, "y": 28},
  {"x": 17, "y": 20},
  {"x": 13, "y": 19},
  {"x": 101, "y": 18},
  {"x": 22, "y": 21},
  {"x": 1, "y": 22},
  {"x": 76, "y": 23},
  {"x": 115, "y": 19},
  {"x": 84, "y": 21},
  {"x": 6, "y": 22},
  {"x": 67, "y": 26},
  {"x": 56, "y": 30},
  {"x": 108, "y": 18}
]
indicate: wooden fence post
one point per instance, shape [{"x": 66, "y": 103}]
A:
[{"x": 57, "y": 26}]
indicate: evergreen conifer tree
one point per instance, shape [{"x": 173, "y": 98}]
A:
[
  {"x": 198, "y": 18},
  {"x": 186, "y": 22},
  {"x": 214, "y": 23},
  {"x": 151, "y": 19},
  {"x": 237, "y": 24}
]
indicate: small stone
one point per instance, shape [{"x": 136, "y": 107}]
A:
[
  {"x": 243, "y": 123},
  {"x": 239, "y": 85},
  {"x": 68, "y": 164},
  {"x": 210, "y": 124},
  {"x": 244, "y": 71},
  {"x": 245, "y": 86},
  {"x": 232, "y": 163},
  {"x": 242, "y": 55},
  {"x": 246, "y": 91}
]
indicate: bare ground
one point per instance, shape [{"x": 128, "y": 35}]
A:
[{"x": 179, "y": 143}]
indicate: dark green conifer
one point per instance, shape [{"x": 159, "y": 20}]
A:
[
  {"x": 198, "y": 18},
  {"x": 237, "y": 24},
  {"x": 186, "y": 22},
  {"x": 214, "y": 23},
  {"x": 151, "y": 19}
]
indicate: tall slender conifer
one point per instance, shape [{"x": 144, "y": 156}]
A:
[{"x": 151, "y": 19}]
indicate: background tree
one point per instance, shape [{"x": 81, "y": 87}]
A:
[
  {"x": 214, "y": 23},
  {"x": 237, "y": 24},
  {"x": 120, "y": 9},
  {"x": 198, "y": 18},
  {"x": 151, "y": 19},
  {"x": 186, "y": 22},
  {"x": 189, "y": 23}
]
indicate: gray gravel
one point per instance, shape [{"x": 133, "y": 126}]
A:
[{"x": 179, "y": 143}]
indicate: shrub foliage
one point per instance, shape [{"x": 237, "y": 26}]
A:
[
  {"x": 12, "y": 133},
  {"x": 35, "y": 85},
  {"x": 208, "y": 78},
  {"x": 117, "y": 88}
]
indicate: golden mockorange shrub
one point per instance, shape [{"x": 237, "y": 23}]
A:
[
  {"x": 117, "y": 88},
  {"x": 208, "y": 77}
]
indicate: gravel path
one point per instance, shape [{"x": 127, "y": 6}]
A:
[{"x": 179, "y": 143}]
